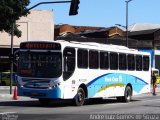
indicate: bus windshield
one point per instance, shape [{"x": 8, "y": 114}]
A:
[{"x": 40, "y": 64}]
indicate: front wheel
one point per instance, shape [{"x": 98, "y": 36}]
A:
[{"x": 80, "y": 97}]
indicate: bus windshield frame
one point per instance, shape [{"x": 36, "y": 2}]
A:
[{"x": 40, "y": 64}]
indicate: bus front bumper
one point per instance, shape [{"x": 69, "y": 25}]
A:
[{"x": 40, "y": 93}]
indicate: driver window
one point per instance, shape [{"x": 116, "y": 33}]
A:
[{"x": 69, "y": 62}]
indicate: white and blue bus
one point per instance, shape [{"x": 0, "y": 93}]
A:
[{"x": 51, "y": 70}]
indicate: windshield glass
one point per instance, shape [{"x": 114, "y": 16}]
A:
[{"x": 40, "y": 64}]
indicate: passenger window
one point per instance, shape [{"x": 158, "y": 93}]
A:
[
  {"x": 82, "y": 59},
  {"x": 145, "y": 63},
  {"x": 122, "y": 61},
  {"x": 93, "y": 59},
  {"x": 131, "y": 62},
  {"x": 104, "y": 60},
  {"x": 113, "y": 61},
  {"x": 138, "y": 62}
]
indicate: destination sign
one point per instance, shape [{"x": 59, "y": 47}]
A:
[{"x": 40, "y": 45}]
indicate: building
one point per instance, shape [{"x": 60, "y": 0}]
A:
[
  {"x": 140, "y": 36},
  {"x": 104, "y": 35},
  {"x": 38, "y": 25},
  {"x": 144, "y": 37},
  {"x": 147, "y": 35}
]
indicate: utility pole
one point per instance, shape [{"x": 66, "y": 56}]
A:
[
  {"x": 127, "y": 21},
  {"x": 11, "y": 57}
]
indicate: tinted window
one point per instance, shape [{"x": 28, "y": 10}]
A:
[
  {"x": 131, "y": 62},
  {"x": 104, "y": 60},
  {"x": 40, "y": 64},
  {"x": 138, "y": 62},
  {"x": 82, "y": 58},
  {"x": 145, "y": 63},
  {"x": 113, "y": 61},
  {"x": 93, "y": 59},
  {"x": 122, "y": 61}
]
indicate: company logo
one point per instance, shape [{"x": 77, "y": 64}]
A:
[{"x": 114, "y": 79}]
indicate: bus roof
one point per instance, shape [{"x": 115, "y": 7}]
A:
[{"x": 92, "y": 45}]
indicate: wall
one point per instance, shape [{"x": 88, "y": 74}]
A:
[{"x": 38, "y": 25}]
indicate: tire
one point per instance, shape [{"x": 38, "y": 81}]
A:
[
  {"x": 128, "y": 94},
  {"x": 80, "y": 97}
]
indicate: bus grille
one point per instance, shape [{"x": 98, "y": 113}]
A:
[
  {"x": 36, "y": 83},
  {"x": 35, "y": 80}
]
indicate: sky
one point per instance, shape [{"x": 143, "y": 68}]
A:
[{"x": 104, "y": 13}]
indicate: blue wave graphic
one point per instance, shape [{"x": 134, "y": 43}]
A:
[{"x": 111, "y": 78}]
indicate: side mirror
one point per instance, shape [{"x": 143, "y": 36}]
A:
[
  {"x": 65, "y": 68},
  {"x": 16, "y": 57}
]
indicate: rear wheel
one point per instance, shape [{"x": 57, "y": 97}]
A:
[
  {"x": 80, "y": 97},
  {"x": 128, "y": 94}
]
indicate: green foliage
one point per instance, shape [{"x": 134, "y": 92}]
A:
[{"x": 10, "y": 11}]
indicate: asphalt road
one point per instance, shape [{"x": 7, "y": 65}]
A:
[{"x": 143, "y": 106}]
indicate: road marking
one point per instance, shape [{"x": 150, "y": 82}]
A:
[
  {"x": 9, "y": 116},
  {"x": 8, "y": 113},
  {"x": 112, "y": 104}
]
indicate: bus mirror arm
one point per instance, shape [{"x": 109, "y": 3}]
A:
[
  {"x": 65, "y": 69},
  {"x": 16, "y": 57}
]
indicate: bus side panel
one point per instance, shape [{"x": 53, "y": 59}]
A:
[
  {"x": 142, "y": 82},
  {"x": 105, "y": 85},
  {"x": 69, "y": 91},
  {"x": 113, "y": 84}
]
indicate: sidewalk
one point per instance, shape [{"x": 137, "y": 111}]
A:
[
  {"x": 6, "y": 96},
  {"x": 5, "y": 92}
]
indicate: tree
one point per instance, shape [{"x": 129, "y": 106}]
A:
[{"x": 10, "y": 11}]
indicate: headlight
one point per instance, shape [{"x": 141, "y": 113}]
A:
[{"x": 54, "y": 84}]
